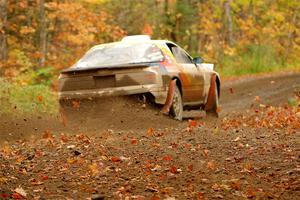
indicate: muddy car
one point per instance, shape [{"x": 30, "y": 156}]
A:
[{"x": 138, "y": 65}]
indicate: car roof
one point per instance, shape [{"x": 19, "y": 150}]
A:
[
  {"x": 136, "y": 39},
  {"x": 160, "y": 42}
]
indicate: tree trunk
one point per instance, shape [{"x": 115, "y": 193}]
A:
[
  {"x": 43, "y": 34},
  {"x": 229, "y": 22},
  {"x": 291, "y": 35},
  {"x": 3, "y": 30}
]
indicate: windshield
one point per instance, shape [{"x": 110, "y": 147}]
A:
[{"x": 118, "y": 54}]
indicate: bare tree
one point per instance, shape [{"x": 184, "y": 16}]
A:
[
  {"x": 3, "y": 30},
  {"x": 229, "y": 22},
  {"x": 43, "y": 33}
]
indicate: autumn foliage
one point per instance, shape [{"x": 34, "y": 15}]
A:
[{"x": 240, "y": 36}]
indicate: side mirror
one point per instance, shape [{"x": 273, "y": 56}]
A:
[{"x": 197, "y": 60}]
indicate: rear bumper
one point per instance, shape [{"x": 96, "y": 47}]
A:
[{"x": 107, "y": 92}]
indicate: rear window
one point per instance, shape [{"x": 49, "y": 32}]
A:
[{"x": 120, "y": 53}]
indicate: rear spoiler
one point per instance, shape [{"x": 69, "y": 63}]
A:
[{"x": 131, "y": 65}]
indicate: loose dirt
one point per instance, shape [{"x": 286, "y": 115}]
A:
[{"x": 252, "y": 151}]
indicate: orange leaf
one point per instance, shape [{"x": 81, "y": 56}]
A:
[
  {"x": 167, "y": 158},
  {"x": 236, "y": 185},
  {"x": 17, "y": 196},
  {"x": 71, "y": 160},
  {"x": 256, "y": 98},
  {"x": 250, "y": 193},
  {"x": 150, "y": 131},
  {"x": 190, "y": 168},
  {"x": 200, "y": 196},
  {"x": 64, "y": 139},
  {"x": 40, "y": 98},
  {"x": 94, "y": 168},
  {"x": 47, "y": 134},
  {"x": 211, "y": 165},
  {"x": 115, "y": 159},
  {"x": 155, "y": 197},
  {"x": 75, "y": 104},
  {"x": 248, "y": 167},
  {"x": 174, "y": 170},
  {"x": 134, "y": 141},
  {"x": 206, "y": 152},
  {"x": 45, "y": 178},
  {"x": 192, "y": 123}
]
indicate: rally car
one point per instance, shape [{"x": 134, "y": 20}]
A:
[{"x": 140, "y": 65}]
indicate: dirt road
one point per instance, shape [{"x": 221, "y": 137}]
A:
[
  {"x": 236, "y": 96},
  {"x": 251, "y": 152}
]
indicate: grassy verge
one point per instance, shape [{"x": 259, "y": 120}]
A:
[
  {"x": 256, "y": 59},
  {"x": 26, "y": 99}
]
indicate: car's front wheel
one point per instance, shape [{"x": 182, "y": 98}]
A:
[{"x": 176, "y": 110}]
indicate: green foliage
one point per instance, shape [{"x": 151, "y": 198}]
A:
[
  {"x": 252, "y": 59},
  {"x": 28, "y": 99},
  {"x": 45, "y": 76}
]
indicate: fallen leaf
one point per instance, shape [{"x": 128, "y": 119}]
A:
[
  {"x": 236, "y": 185},
  {"x": 206, "y": 152},
  {"x": 64, "y": 138},
  {"x": 94, "y": 168},
  {"x": 174, "y": 170},
  {"x": 47, "y": 134},
  {"x": 21, "y": 191},
  {"x": 167, "y": 158},
  {"x": 40, "y": 98},
  {"x": 17, "y": 196},
  {"x": 170, "y": 198},
  {"x": 216, "y": 130},
  {"x": 5, "y": 196},
  {"x": 134, "y": 141},
  {"x": 72, "y": 146},
  {"x": 44, "y": 178},
  {"x": 216, "y": 187},
  {"x": 6, "y": 149},
  {"x": 192, "y": 123},
  {"x": 250, "y": 193},
  {"x": 200, "y": 196},
  {"x": 71, "y": 160},
  {"x": 236, "y": 139},
  {"x": 115, "y": 159},
  {"x": 155, "y": 197},
  {"x": 150, "y": 131},
  {"x": 256, "y": 98},
  {"x": 75, "y": 104},
  {"x": 3, "y": 180},
  {"x": 211, "y": 165},
  {"x": 248, "y": 167}
]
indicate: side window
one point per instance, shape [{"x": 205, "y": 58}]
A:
[{"x": 179, "y": 54}]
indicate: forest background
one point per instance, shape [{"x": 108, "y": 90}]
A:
[{"x": 38, "y": 38}]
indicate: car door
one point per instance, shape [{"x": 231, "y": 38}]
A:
[{"x": 192, "y": 77}]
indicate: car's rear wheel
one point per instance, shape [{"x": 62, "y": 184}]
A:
[
  {"x": 176, "y": 109},
  {"x": 213, "y": 110}
]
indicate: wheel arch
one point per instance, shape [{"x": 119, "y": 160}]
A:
[{"x": 178, "y": 83}]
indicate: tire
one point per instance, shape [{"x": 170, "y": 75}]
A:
[
  {"x": 213, "y": 111},
  {"x": 176, "y": 109}
]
